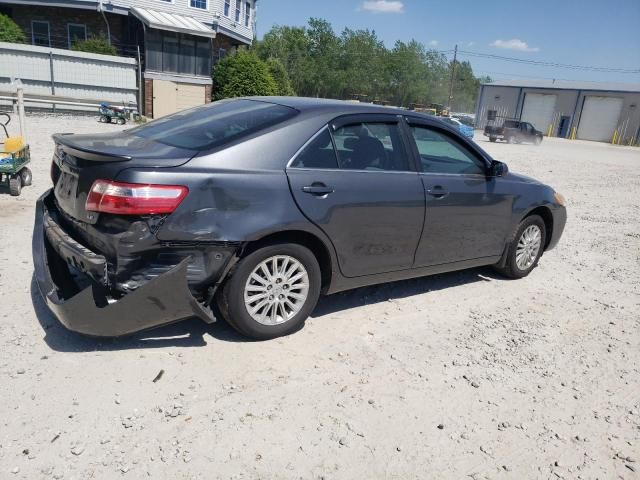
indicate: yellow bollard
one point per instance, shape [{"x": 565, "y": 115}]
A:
[{"x": 615, "y": 136}]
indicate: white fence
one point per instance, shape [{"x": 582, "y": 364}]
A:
[{"x": 65, "y": 73}]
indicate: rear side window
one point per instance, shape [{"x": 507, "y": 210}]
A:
[
  {"x": 215, "y": 124},
  {"x": 371, "y": 146},
  {"x": 318, "y": 154}
]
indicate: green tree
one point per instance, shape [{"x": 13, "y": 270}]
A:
[
  {"x": 292, "y": 47},
  {"x": 95, "y": 45},
  {"x": 10, "y": 31},
  {"x": 320, "y": 63},
  {"x": 281, "y": 77},
  {"x": 242, "y": 75}
]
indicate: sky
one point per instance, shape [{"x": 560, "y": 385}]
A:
[{"x": 598, "y": 33}]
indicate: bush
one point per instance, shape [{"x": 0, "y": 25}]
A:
[
  {"x": 281, "y": 77},
  {"x": 95, "y": 45},
  {"x": 242, "y": 75},
  {"x": 10, "y": 31}
]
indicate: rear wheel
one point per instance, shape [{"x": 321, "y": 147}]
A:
[
  {"x": 27, "y": 176},
  {"x": 15, "y": 185},
  {"x": 525, "y": 250},
  {"x": 272, "y": 291},
  {"x": 104, "y": 119},
  {"x": 121, "y": 121},
  {"x": 492, "y": 139}
]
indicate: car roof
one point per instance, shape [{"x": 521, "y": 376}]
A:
[{"x": 307, "y": 104}]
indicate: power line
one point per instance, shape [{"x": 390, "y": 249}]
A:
[{"x": 549, "y": 64}]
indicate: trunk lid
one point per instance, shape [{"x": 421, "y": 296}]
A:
[{"x": 79, "y": 160}]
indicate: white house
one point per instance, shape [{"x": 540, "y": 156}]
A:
[{"x": 178, "y": 40}]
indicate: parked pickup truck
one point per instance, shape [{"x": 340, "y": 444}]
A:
[{"x": 513, "y": 131}]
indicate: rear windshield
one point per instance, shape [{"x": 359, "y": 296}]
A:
[
  {"x": 215, "y": 124},
  {"x": 511, "y": 124}
]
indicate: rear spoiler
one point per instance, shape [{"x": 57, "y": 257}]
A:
[{"x": 65, "y": 140}]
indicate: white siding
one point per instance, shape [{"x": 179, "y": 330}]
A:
[{"x": 214, "y": 14}]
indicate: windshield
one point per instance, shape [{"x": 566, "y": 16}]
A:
[{"x": 215, "y": 124}]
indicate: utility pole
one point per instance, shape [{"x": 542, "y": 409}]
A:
[{"x": 453, "y": 76}]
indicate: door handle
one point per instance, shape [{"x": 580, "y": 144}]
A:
[
  {"x": 437, "y": 192},
  {"x": 319, "y": 189}
]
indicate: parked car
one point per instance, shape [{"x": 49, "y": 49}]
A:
[
  {"x": 466, "y": 130},
  {"x": 468, "y": 119},
  {"x": 259, "y": 205},
  {"x": 514, "y": 131}
]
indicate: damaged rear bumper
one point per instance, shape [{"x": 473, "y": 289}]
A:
[{"x": 163, "y": 300}]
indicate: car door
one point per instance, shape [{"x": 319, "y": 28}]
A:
[
  {"x": 468, "y": 213},
  {"x": 356, "y": 180}
]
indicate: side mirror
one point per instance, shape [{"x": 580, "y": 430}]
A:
[{"x": 498, "y": 169}]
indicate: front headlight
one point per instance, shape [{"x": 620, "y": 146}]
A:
[{"x": 560, "y": 199}]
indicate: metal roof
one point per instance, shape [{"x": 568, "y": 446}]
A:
[
  {"x": 568, "y": 85},
  {"x": 172, "y": 22}
]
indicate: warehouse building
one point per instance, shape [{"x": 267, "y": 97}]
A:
[{"x": 583, "y": 110}]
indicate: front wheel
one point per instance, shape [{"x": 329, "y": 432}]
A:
[
  {"x": 121, "y": 121},
  {"x": 272, "y": 291},
  {"x": 525, "y": 250},
  {"x": 27, "y": 176},
  {"x": 492, "y": 139},
  {"x": 15, "y": 185}
]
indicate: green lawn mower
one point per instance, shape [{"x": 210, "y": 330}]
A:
[{"x": 14, "y": 157}]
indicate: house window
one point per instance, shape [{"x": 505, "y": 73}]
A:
[
  {"x": 40, "y": 33},
  {"x": 202, "y": 4},
  {"x": 238, "y": 10},
  {"x": 227, "y": 7},
  {"x": 77, "y": 32},
  {"x": 177, "y": 53},
  {"x": 247, "y": 14}
]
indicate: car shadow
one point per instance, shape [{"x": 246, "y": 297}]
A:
[
  {"x": 193, "y": 332},
  {"x": 401, "y": 289}
]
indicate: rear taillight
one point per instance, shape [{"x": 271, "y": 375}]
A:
[{"x": 107, "y": 196}]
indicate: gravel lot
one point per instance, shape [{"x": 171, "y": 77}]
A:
[{"x": 464, "y": 375}]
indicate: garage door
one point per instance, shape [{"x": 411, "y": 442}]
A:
[
  {"x": 599, "y": 119},
  {"x": 538, "y": 110},
  {"x": 190, "y": 96},
  {"x": 165, "y": 98}
]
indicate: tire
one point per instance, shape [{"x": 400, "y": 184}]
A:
[
  {"x": 121, "y": 121},
  {"x": 104, "y": 119},
  {"x": 514, "y": 266},
  {"x": 492, "y": 139},
  {"x": 15, "y": 185},
  {"x": 234, "y": 299},
  {"x": 27, "y": 177}
]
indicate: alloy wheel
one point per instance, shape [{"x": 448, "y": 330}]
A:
[
  {"x": 276, "y": 290},
  {"x": 528, "y": 247}
]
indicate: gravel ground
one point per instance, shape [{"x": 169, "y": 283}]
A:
[{"x": 464, "y": 375}]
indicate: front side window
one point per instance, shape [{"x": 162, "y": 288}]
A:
[
  {"x": 318, "y": 154},
  {"x": 40, "y": 33},
  {"x": 238, "y": 9},
  {"x": 202, "y": 4},
  {"x": 215, "y": 124},
  {"x": 440, "y": 153},
  {"x": 371, "y": 146},
  {"x": 77, "y": 33}
]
